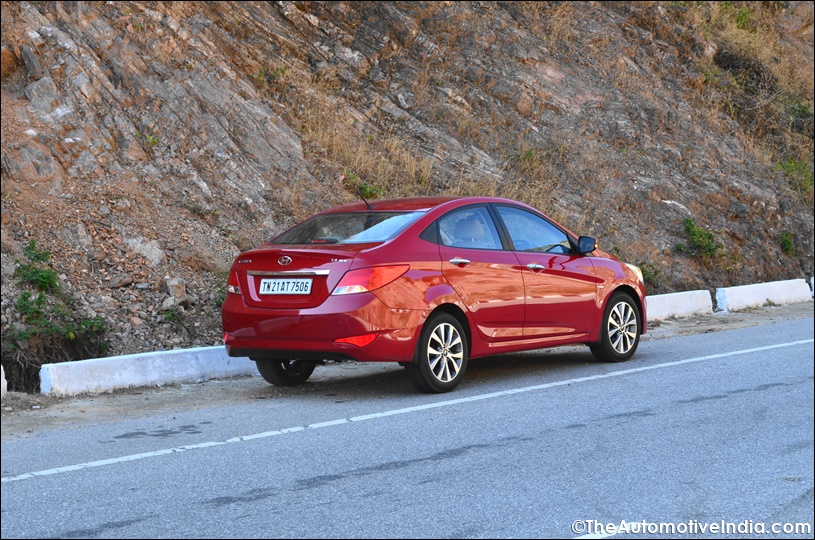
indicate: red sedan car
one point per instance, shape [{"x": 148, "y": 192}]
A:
[{"x": 428, "y": 283}]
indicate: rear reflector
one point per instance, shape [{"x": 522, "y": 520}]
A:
[{"x": 359, "y": 341}]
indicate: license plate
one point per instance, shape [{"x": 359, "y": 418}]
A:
[{"x": 285, "y": 286}]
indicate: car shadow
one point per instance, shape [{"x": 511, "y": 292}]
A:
[
  {"x": 347, "y": 381},
  {"x": 515, "y": 366}
]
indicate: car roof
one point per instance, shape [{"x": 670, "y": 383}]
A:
[
  {"x": 409, "y": 203},
  {"x": 415, "y": 204}
]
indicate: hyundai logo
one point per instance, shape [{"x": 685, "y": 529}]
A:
[{"x": 285, "y": 260}]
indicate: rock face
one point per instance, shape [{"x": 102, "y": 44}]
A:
[{"x": 145, "y": 144}]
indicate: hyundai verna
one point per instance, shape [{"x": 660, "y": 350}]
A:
[{"x": 429, "y": 283}]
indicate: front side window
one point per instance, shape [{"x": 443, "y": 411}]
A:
[
  {"x": 469, "y": 228},
  {"x": 530, "y": 232},
  {"x": 348, "y": 228}
]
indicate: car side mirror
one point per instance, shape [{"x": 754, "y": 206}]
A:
[{"x": 586, "y": 244}]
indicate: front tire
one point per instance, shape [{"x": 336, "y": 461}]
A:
[
  {"x": 619, "y": 330},
  {"x": 285, "y": 372},
  {"x": 441, "y": 358}
]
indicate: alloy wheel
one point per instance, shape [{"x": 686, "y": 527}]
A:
[
  {"x": 445, "y": 352},
  {"x": 622, "y": 327}
]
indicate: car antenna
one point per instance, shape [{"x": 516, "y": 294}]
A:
[{"x": 359, "y": 194}]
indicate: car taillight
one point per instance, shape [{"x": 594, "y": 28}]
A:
[
  {"x": 369, "y": 279},
  {"x": 232, "y": 285}
]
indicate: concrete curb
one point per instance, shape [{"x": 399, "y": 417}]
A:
[
  {"x": 681, "y": 304},
  {"x": 202, "y": 363},
  {"x": 146, "y": 369},
  {"x": 777, "y": 292}
]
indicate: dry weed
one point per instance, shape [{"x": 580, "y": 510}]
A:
[
  {"x": 382, "y": 159},
  {"x": 560, "y": 26}
]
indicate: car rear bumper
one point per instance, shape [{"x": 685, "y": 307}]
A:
[{"x": 312, "y": 334}]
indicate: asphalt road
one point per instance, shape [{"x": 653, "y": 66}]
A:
[{"x": 695, "y": 430}]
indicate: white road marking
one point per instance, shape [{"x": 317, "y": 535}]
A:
[{"x": 406, "y": 410}]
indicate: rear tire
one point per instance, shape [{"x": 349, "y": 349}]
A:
[
  {"x": 285, "y": 372},
  {"x": 441, "y": 357},
  {"x": 619, "y": 330}
]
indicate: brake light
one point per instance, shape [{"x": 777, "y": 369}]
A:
[
  {"x": 232, "y": 285},
  {"x": 369, "y": 279}
]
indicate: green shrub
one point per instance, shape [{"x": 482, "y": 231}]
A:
[
  {"x": 34, "y": 273},
  {"x": 799, "y": 172},
  {"x": 173, "y": 315},
  {"x": 650, "y": 275},
  {"x": 50, "y": 330},
  {"x": 710, "y": 73},
  {"x": 798, "y": 110},
  {"x": 147, "y": 141},
  {"x": 264, "y": 77},
  {"x": 360, "y": 188},
  {"x": 43, "y": 279},
  {"x": 35, "y": 255},
  {"x": 743, "y": 20},
  {"x": 702, "y": 239},
  {"x": 787, "y": 244}
]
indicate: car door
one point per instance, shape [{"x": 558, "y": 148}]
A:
[
  {"x": 560, "y": 287},
  {"x": 486, "y": 276}
]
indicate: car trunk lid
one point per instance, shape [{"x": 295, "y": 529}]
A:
[{"x": 282, "y": 277}]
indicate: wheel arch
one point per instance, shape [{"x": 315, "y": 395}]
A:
[
  {"x": 461, "y": 317},
  {"x": 631, "y": 293}
]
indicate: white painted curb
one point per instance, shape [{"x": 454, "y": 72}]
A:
[
  {"x": 4, "y": 384},
  {"x": 146, "y": 369},
  {"x": 681, "y": 304},
  {"x": 776, "y": 292}
]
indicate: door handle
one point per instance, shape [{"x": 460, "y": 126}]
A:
[
  {"x": 535, "y": 267},
  {"x": 459, "y": 261}
]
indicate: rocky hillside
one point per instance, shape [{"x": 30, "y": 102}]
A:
[{"x": 145, "y": 144}]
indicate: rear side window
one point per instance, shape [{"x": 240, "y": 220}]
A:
[
  {"x": 348, "y": 228},
  {"x": 470, "y": 227}
]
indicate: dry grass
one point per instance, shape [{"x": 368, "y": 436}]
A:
[
  {"x": 529, "y": 175},
  {"x": 384, "y": 159},
  {"x": 537, "y": 193},
  {"x": 559, "y": 27}
]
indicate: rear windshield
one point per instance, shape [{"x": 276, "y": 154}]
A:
[{"x": 348, "y": 228}]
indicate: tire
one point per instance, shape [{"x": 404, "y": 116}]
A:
[
  {"x": 441, "y": 356},
  {"x": 285, "y": 372},
  {"x": 619, "y": 330}
]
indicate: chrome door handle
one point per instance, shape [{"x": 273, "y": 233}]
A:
[
  {"x": 459, "y": 260},
  {"x": 535, "y": 267}
]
